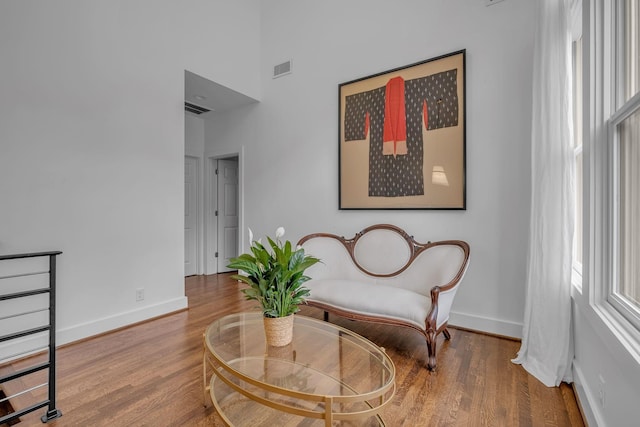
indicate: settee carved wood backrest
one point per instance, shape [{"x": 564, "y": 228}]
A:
[{"x": 386, "y": 251}]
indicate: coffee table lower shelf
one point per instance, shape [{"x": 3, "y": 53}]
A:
[{"x": 268, "y": 409}]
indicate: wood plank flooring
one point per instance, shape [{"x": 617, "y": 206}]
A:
[{"x": 150, "y": 374}]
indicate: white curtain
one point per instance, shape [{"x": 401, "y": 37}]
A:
[{"x": 547, "y": 346}]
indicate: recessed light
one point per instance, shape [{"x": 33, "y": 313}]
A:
[{"x": 200, "y": 97}]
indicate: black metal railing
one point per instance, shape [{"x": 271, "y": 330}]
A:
[{"x": 50, "y": 328}]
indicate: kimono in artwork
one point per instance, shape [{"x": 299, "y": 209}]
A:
[{"x": 393, "y": 116}]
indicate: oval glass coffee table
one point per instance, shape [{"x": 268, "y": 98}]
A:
[{"x": 327, "y": 376}]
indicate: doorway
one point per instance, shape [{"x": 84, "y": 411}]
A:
[
  {"x": 212, "y": 241},
  {"x": 227, "y": 214},
  {"x": 223, "y": 213}
]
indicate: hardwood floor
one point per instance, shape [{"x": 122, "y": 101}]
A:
[{"x": 150, "y": 374}]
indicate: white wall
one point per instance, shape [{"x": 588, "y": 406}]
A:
[
  {"x": 193, "y": 136},
  {"x": 290, "y": 138},
  {"x": 92, "y": 142},
  {"x": 606, "y": 369}
]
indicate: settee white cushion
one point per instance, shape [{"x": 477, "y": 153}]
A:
[{"x": 375, "y": 300}]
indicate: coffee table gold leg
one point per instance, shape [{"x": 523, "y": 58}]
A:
[
  {"x": 328, "y": 411},
  {"x": 206, "y": 388}
]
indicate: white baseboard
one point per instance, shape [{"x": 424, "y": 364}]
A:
[
  {"x": 23, "y": 347},
  {"x": 486, "y": 324},
  {"x": 99, "y": 326},
  {"x": 587, "y": 400}
]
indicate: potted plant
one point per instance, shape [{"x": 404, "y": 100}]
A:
[{"x": 275, "y": 275}]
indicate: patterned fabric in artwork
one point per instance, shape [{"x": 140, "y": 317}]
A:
[{"x": 432, "y": 100}]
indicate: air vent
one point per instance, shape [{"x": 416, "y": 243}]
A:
[
  {"x": 282, "y": 69},
  {"x": 195, "y": 109}
]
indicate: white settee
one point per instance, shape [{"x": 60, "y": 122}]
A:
[{"x": 383, "y": 275}]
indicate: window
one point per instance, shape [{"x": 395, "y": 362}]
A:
[
  {"x": 624, "y": 139},
  {"x": 577, "y": 150}
]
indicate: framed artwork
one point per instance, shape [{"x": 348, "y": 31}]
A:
[{"x": 403, "y": 137}]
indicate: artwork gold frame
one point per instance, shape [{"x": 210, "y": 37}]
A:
[{"x": 402, "y": 137}]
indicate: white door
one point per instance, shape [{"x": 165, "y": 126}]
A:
[
  {"x": 190, "y": 216},
  {"x": 227, "y": 212}
]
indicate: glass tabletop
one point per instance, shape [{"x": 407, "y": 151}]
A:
[{"x": 325, "y": 368}]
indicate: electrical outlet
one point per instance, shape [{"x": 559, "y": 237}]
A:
[
  {"x": 140, "y": 294},
  {"x": 492, "y": 2},
  {"x": 601, "y": 390}
]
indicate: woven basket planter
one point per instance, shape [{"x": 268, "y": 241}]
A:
[{"x": 278, "y": 330}]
